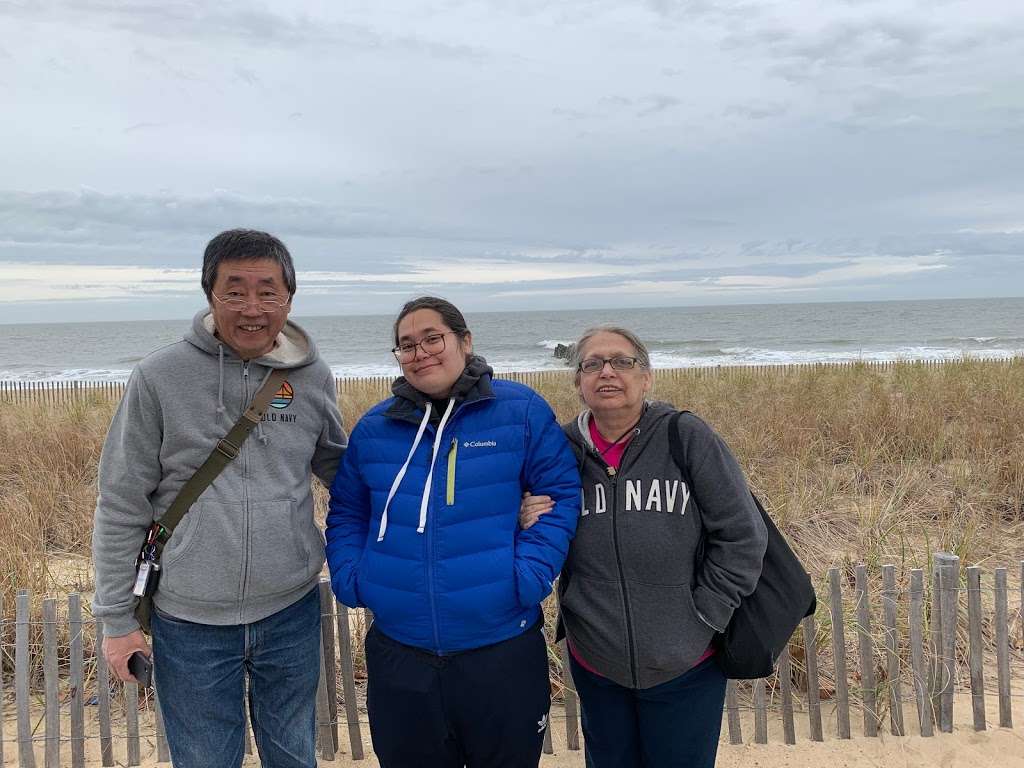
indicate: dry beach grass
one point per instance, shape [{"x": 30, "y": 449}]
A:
[{"x": 857, "y": 464}]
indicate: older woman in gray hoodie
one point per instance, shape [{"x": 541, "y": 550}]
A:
[{"x": 656, "y": 568}]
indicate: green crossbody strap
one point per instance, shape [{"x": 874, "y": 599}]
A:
[{"x": 222, "y": 455}]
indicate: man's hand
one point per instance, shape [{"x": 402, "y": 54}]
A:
[{"x": 117, "y": 651}]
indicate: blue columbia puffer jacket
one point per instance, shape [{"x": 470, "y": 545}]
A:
[{"x": 471, "y": 577}]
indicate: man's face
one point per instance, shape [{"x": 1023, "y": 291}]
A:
[{"x": 251, "y": 331}]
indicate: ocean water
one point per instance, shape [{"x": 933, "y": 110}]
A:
[{"x": 779, "y": 334}]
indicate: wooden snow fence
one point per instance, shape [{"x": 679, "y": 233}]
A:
[
  {"x": 63, "y": 391},
  {"x": 942, "y": 632}
]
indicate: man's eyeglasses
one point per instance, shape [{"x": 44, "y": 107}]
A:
[
  {"x": 618, "y": 363},
  {"x": 431, "y": 345},
  {"x": 266, "y": 304}
]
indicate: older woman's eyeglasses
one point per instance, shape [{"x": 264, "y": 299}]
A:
[
  {"x": 431, "y": 345},
  {"x": 618, "y": 363}
]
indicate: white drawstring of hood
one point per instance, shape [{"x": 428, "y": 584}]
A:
[
  {"x": 264, "y": 440},
  {"x": 425, "y": 498},
  {"x": 220, "y": 382}
]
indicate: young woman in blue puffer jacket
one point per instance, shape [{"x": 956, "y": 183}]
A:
[{"x": 423, "y": 530}]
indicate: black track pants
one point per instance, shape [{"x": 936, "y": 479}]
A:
[{"x": 484, "y": 707}]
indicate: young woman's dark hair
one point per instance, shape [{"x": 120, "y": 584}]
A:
[{"x": 449, "y": 313}]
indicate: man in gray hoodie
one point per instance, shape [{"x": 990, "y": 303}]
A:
[{"x": 237, "y": 596}]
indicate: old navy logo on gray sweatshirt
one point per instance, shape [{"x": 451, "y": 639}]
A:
[{"x": 653, "y": 495}]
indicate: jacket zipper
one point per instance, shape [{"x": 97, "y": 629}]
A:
[
  {"x": 450, "y": 485},
  {"x": 614, "y": 475},
  {"x": 430, "y": 542},
  {"x": 245, "y": 500}
]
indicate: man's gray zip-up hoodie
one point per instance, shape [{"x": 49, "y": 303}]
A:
[
  {"x": 248, "y": 547},
  {"x": 636, "y": 604}
]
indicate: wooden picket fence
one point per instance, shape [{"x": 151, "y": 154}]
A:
[
  {"x": 62, "y": 391},
  {"x": 927, "y": 660}
]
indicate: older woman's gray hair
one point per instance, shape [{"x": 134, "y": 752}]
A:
[{"x": 643, "y": 357}]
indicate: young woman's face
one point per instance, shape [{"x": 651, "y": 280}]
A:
[
  {"x": 609, "y": 390},
  {"x": 432, "y": 372}
]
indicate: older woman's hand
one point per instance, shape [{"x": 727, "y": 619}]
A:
[{"x": 532, "y": 507}]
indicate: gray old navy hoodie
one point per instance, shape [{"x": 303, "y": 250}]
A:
[
  {"x": 249, "y": 546},
  {"x": 639, "y": 603}
]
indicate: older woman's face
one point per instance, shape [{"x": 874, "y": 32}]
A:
[
  {"x": 433, "y": 373},
  {"x": 609, "y": 390}
]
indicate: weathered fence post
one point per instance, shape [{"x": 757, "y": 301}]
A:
[
  {"x": 936, "y": 672},
  {"x": 26, "y": 756},
  {"x": 77, "y": 681},
  {"x": 51, "y": 672},
  {"x": 839, "y": 654},
  {"x": 786, "y": 686},
  {"x": 131, "y": 716},
  {"x": 760, "y": 713},
  {"x": 892, "y": 652},
  {"x": 103, "y": 702},
  {"x": 323, "y": 711},
  {"x": 1003, "y": 649},
  {"x": 976, "y": 647},
  {"x": 732, "y": 708},
  {"x": 949, "y": 576},
  {"x": 3, "y": 692},
  {"x": 813, "y": 685},
  {"x": 330, "y": 664},
  {"x": 920, "y": 680},
  {"x": 570, "y": 700},
  {"x": 549, "y": 748},
  {"x": 348, "y": 683},
  {"x": 865, "y": 647}
]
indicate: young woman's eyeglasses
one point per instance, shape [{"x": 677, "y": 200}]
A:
[
  {"x": 618, "y": 363},
  {"x": 431, "y": 345},
  {"x": 265, "y": 303}
]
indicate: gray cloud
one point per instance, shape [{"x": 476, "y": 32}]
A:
[
  {"x": 93, "y": 217},
  {"x": 199, "y": 21},
  {"x": 700, "y": 140},
  {"x": 143, "y": 127},
  {"x": 656, "y": 103},
  {"x": 756, "y": 110}
]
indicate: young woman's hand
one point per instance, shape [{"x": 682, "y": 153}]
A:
[{"x": 532, "y": 507}]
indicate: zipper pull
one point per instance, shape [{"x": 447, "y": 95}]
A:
[{"x": 611, "y": 471}]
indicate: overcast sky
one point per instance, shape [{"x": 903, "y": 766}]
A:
[{"x": 512, "y": 153}]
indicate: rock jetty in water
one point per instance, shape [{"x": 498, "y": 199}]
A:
[{"x": 564, "y": 351}]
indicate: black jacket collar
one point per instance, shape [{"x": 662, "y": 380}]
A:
[{"x": 474, "y": 384}]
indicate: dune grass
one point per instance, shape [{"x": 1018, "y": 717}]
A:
[{"x": 857, "y": 463}]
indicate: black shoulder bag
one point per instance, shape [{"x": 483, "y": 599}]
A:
[
  {"x": 764, "y": 621},
  {"x": 147, "y": 564}
]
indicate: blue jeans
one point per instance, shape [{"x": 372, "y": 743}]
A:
[
  {"x": 672, "y": 725},
  {"x": 200, "y": 672}
]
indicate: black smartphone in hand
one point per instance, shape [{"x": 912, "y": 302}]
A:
[{"x": 141, "y": 668}]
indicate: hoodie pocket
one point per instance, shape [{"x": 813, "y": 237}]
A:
[
  {"x": 203, "y": 559},
  {"x": 593, "y": 613},
  {"x": 667, "y": 631},
  {"x": 279, "y": 548}
]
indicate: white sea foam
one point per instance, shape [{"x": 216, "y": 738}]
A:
[{"x": 70, "y": 374}]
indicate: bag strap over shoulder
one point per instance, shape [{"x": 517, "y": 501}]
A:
[
  {"x": 676, "y": 448},
  {"x": 223, "y": 453}
]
